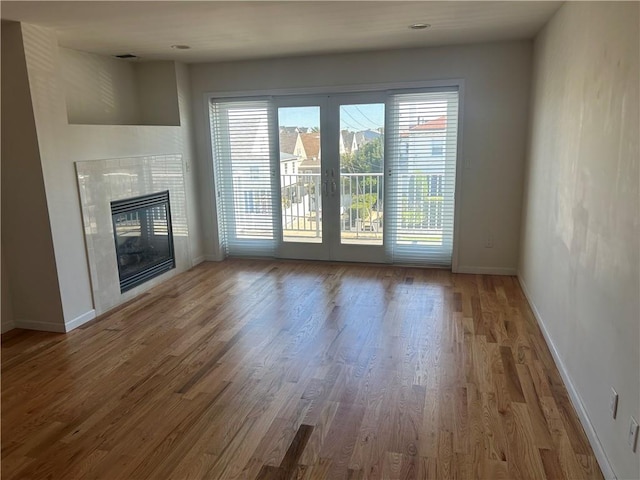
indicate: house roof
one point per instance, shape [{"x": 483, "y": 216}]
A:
[
  {"x": 287, "y": 157},
  {"x": 311, "y": 143},
  {"x": 439, "y": 123},
  {"x": 366, "y": 136},
  {"x": 288, "y": 140}
]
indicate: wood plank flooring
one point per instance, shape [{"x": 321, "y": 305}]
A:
[{"x": 292, "y": 370}]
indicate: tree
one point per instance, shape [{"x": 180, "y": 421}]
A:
[
  {"x": 363, "y": 204},
  {"x": 367, "y": 159}
]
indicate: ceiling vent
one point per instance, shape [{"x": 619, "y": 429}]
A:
[{"x": 126, "y": 55}]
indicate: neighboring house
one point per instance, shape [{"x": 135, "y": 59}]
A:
[
  {"x": 434, "y": 130},
  {"x": 425, "y": 142},
  {"x": 311, "y": 152},
  {"x": 311, "y": 144},
  {"x": 288, "y": 140},
  {"x": 351, "y": 142},
  {"x": 295, "y": 142},
  {"x": 299, "y": 150},
  {"x": 424, "y": 139},
  {"x": 288, "y": 168},
  {"x": 291, "y": 144},
  {"x": 347, "y": 142},
  {"x": 364, "y": 137},
  {"x": 289, "y": 177},
  {"x": 291, "y": 153}
]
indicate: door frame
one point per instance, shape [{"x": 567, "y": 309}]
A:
[{"x": 390, "y": 87}]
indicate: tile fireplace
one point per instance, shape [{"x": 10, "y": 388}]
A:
[{"x": 135, "y": 221}]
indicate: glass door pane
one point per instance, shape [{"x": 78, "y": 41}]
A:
[
  {"x": 300, "y": 184},
  {"x": 361, "y": 174}
]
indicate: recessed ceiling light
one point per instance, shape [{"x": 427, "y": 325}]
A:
[
  {"x": 419, "y": 26},
  {"x": 180, "y": 47}
]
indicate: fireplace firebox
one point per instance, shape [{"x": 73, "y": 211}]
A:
[{"x": 143, "y": 236}]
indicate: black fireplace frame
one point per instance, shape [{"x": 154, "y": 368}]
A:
[{"x": 136, "y": 203}]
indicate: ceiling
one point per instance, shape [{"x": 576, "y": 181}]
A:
[{"x": 234, "y": 30}]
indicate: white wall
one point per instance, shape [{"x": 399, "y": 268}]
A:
[
  {"x": 99, "y": 89},
  {"x": 156, "y": 90},
  {"x": 580, "y": 251},
  {"x": 61, "y": 144},
  {"x": 28, "y": 263},
  {"x": 102, "y": 90},
  {"x": 194, "y": 211},
  {"x": 495, "y": 110}
]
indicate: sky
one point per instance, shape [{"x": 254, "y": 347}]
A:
[{"x": 352, "y": 117}]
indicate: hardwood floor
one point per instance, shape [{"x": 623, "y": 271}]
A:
[{"x": 279, "y": 370}]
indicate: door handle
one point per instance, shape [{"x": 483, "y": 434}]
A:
[
  {"x": 324, "y": 187},
  {"x": 333, "y": 187}
]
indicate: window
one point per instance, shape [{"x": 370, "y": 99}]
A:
[
  {"x": 407, "y": 207},
  {"x": 241, "y": 149},
  {"x": 423, "y": 133},
  {"x": 437, "y": 148}
]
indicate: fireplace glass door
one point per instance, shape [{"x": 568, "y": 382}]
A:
[{"x": 143, "y": 238}]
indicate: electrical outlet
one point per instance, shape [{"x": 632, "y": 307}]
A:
[
  {"x": 613, "y": 403},
  {"x": 488, "y": 242},
  {"x": 633, "y": 434}
]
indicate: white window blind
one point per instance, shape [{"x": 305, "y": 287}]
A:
[
  {"x": 422, "y": 130},
  {"x": 244, "y": 176}
]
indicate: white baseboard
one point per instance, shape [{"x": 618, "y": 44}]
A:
[
  {"x": 486, "y": 270},
  {"x": 53, "y": 327},
  {"x": 204, "y": 258},
  {"x": 82, "y": 319},
  {"x": 574, "y": 396},
  {"x": 42, "y": 326}
]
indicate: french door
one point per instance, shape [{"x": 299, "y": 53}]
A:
[
  {"x": 331, "y": 160},
  {"x": 352, "y": 177}
]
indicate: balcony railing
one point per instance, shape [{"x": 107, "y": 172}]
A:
[
  {"x": 361, "y": 208},
  {"x": 418, "y": 209},
  {"x": 301, "y": 207}
]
